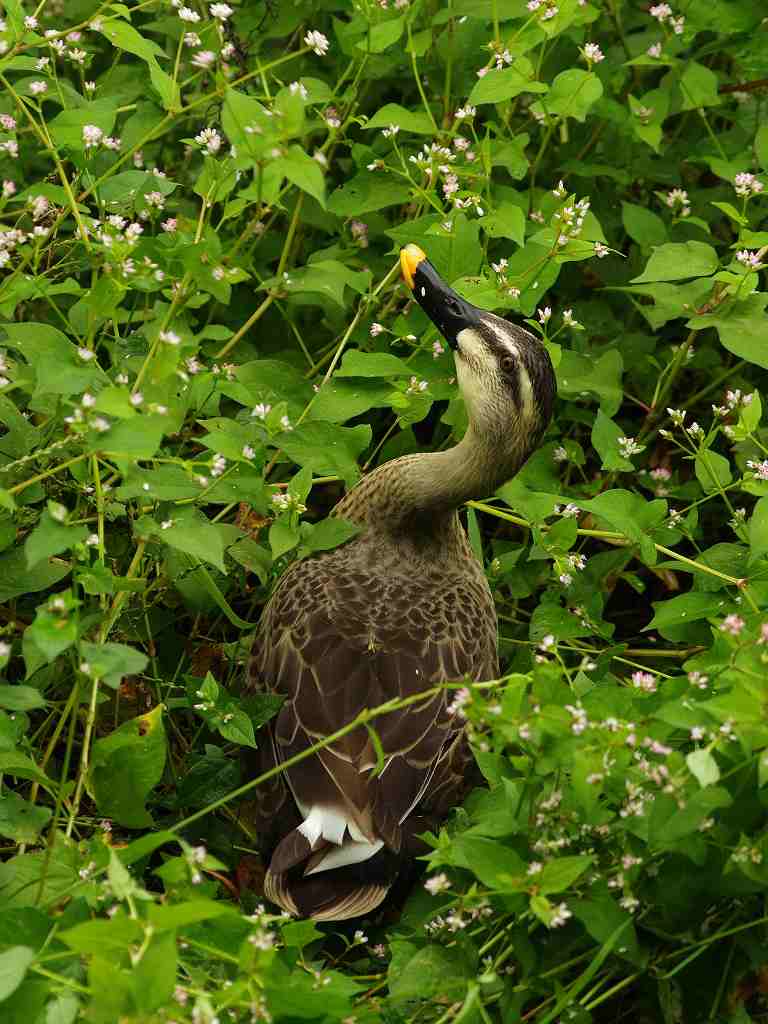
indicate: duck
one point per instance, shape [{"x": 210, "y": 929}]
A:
[{"x": 401, "y": 607}]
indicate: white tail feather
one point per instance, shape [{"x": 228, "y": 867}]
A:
[
  {"x": 329, "y": 824},
  {"x": 351, "y": 845},
  {"x": 349, "y": 853}
]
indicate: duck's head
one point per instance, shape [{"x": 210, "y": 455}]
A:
[{"x": 504, "y": 372}]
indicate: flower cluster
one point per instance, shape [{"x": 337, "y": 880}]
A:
[
  {"x": 677, "y": 200},
  {"x": 569, "y": 220},
  {"x": 664, "y": 15},
  {"x": 747, "y": 185}
]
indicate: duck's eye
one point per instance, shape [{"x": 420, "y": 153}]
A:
[{"x": 508, "y": 363}]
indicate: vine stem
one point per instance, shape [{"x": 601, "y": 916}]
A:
[
  {"x": 363, "y": 719},
  {"x": 614, "y": 537},
  {"x": 91, "y": 717},
  {"x": 17, "y": 488},
  {"x": 261, "y": 310}
]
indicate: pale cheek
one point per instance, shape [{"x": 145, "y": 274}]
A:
[{"x": 526, "y": 390}]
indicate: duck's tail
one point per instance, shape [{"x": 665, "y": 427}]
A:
[{"x": 327, "y": 869}]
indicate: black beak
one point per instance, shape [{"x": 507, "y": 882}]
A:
[{"x": 444, "y": 307}]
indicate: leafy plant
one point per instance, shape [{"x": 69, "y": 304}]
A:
[{"x": 205, "y": 343}]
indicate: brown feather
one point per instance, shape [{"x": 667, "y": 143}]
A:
[{"x": 373, "y": 638}]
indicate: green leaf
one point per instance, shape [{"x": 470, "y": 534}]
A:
[
  {"x": 506, "y": 220},
  {"x": 298, "y": 934},
  {"x": 647, "y": 115},
  {"x": 455, "y": 255},
  {"x": 270, "y": 381},
  {"x": 245, "y": 551},
  {"x": 57, "y": 368},
  {"x": 13, "y": 762},
  {"x": 235, "y": 725},
  {"x": 67, "y": 127},
  {"x": 241, "y": 112},
  {"x": 14, "y": 963},
  {"x": 750, "y": 414},
  {"x": 168, "y": 918},
  {"x": 112, "y": 661},
  {"x": 699, "y": 87},
  {"x": 14, "y": 697},
  {"x": 643, "y": 225},
  {"x": 330, "y": 533},
  {"x": 126, "y": 766},
  {"x": 98, "y": 937},
  {"x": 365, "y": 193},
  {"x": 326, "y": 448},
  {"x": 631, "y": 515},
  {"x": 53, "y": 631},
  {"x": 676, "y": 261},
  {"x": 561, "y": 536},
  {"x": 30, "y": 878},
  {"x": 125, "y": 37},
  {"x": 283, "y": 536},
  {"x": 261, "y": 707},
  {"x": 685, "y": 608},
  {"x": 702, "y": 764},
  {"x": 430, "y": 972},
  {"x": 20, "y": 820},
  {"x": 51, "y": 537},
  {"x": 373, "y": 364},
  {"x": 498, "y": 85},
  {"x": 572, "y": 94},
  {"x": 416, "y": 121},
  {"x": 602, "y": 917},
  {"x": 380, "y": 37},
  {"x": 192, "y": 533},
  {"x": 741, "y": 327},
  {"x": 559, "y": 874},
  {"x": 605, "y": 440},
  {"x": 685, "y": 822},
  {"x": 670, "y": 300},
  {"x": 137, "y": 438},
  {"x": 207, "y": 778},
  {"x": 758, "y": 530},
  {"x": 713, "y": 471},
  {"x": 730, "y": 211},
  {"x": 339, "y": 400},
  {"x": 496, "y": 865},
  {"x": 730, "y": 559},
  {"x": 165, "y": 87},
  {"x": 63, "y": 1008},
  {"x": 326, "y": 277},
  {"x": 579, "y": 374},
  {"x": 304, "y": 172}
]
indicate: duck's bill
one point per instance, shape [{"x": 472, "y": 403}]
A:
[
  {"x": 410, "y": 258},
  {"x": 444, "y": 307}
]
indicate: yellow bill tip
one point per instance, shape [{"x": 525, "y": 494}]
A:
[{"x": 410, "y": 257}]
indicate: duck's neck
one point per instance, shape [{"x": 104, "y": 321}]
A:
[{"x": 422, "y": 489}]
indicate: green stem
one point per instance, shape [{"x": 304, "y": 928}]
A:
[
  {"x": 615, "y": 537},
  {"x": 417, "y": 79},
  {"x": 18, "y": 488}
]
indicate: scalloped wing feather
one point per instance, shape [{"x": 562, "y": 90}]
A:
[{"x": 337, "y": 638}]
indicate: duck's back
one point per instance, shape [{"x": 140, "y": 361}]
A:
[{"x": 351, "y": 629}]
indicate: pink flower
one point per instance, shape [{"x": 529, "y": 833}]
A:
[{"x": 732, "y": 624}]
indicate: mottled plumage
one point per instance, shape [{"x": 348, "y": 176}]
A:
[{"x": 401, "y": 607}]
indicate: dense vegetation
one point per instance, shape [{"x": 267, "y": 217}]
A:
[{"x": 205, "y": 342}]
